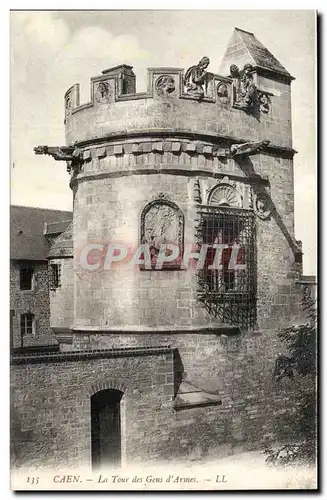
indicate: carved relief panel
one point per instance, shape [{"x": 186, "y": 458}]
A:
[
  {"x": 226, "y": 193},
  {"x": 165, "y": 86},
  {"x": 103, "y": 91},
  {"x": 223, "y": 93},
  {"x": 162, "y": 223}
]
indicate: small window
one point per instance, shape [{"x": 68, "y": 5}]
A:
[
  {"x": 26, "y": 278},
  {"x": 27, "y": 324},
  {"x": 54, "y": 276}
]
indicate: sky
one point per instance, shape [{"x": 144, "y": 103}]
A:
[{"x": 52, "y": 50}]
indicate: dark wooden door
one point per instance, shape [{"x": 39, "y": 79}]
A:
[{"x": 106, "y": 431}]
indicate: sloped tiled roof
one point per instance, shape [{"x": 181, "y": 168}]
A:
[
  {"x": 244, "y": 48},
  {"x": 63, "y": 244},
  {"x": 27, "y": 239}
]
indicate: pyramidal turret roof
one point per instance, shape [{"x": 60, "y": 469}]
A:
[{"x": 244, "y": 48}]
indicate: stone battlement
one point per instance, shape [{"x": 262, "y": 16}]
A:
[{"x": 171, "y": 104}]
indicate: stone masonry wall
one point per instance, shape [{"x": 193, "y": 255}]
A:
[
  {"x": 133, "y": 298},
  {"x": 51, "y": 423},
  {"x": 35, "y": 301}
]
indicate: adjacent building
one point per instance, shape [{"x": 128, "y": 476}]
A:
[{"x": 32, "y": 231}]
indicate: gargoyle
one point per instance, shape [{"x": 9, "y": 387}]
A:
[
  {"x": 60, "y": 153},
  {"x": 247, "y": 148}
]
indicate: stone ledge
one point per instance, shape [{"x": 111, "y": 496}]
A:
[
  {"x": 41, "y": 357},
  {"x": 137, "y": 329},
  {"x": 190, "y": 396}
]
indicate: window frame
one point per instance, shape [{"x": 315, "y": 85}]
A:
[
  {"x": 54, "y": 277},
  {"x": 24, "y": 327},
  {"x": 27, "y": 268}
]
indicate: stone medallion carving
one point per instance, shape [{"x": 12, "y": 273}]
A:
[
  {"x": 103, "y": 92},
  {"x": 225, "y": 195},
  {"x": 162, "y": 222},
  {"x": 262, "y": 206},
  {"x": 222, "y": 92},
  {"x": 165, "y": 85}
]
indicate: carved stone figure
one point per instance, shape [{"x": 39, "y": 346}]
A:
[
  {"x": 263, "y": 100},
  {"x": 165, "y": 85},
  {"x": 103, "y": 92},
  {"x": 161, "y": 223},
  {"x": 195, "y": 79},
  {"x": 244, "y": 87}
]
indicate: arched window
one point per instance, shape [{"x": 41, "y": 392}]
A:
[
  {"x": 227, "y": 282},
  {"x": 106, "y": 428}
]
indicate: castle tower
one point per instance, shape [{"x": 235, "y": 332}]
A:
[{"x": 199, "y": 159}]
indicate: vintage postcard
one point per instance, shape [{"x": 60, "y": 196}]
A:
[{"x": 163, "y": 288}]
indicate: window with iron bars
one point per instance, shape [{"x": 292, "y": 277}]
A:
[
  {"x": 229, "y": 292},
  {"x": 54, "y": 276}
]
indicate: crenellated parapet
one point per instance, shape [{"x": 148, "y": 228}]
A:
[{"x": 193, "y": 101}]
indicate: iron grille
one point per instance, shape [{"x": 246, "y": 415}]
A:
[
  {"x": 55, "y": 277},
  {"x": 228, "y": 293}
]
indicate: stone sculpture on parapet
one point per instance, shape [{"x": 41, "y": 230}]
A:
[
  {"x": 244, "y": 87},
  {"x": 196, "y": 78}
]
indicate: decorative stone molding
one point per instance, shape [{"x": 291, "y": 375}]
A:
[
  {"x": 165, "y": 86},
  {"x": 158, "y": 153},
  {"x": 225, "y": 194},
  {"x": 197, "y": 192}
]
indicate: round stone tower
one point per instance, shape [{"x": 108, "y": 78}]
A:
[{"x": 177, "y": 165}]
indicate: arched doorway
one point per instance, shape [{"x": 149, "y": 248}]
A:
[{"x": 106, "y": 429}]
